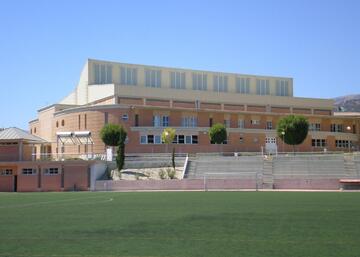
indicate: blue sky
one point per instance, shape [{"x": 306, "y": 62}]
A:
[{"x": 44, "y": 44}]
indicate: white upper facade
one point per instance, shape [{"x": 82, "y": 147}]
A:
[{"x": 102, "y": 79}]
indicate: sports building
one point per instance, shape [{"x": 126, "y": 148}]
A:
[{"x": 146, "y": 99}]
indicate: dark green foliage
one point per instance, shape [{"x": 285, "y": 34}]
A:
[
  {"x": 120, "y": 158},
  {"x": 217, "y": 133},
  {"x": 173, "y": 158},
  {"x": 110, "y": 134},
  {"x": 115, "y": 135},
  {"x": 292, "y": 129}
]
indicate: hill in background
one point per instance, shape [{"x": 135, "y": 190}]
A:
[{"x": 348, "y": 103}]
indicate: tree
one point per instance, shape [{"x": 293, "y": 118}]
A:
[
  {"x": 120, "y": 158},
  {"x": 217, "y": 133},
  {"x": 293, "y": 129},
  {"x": 110, "y": 134},
  {"x": 167, "y": 137},
  {"x": 115, "y": 135}
]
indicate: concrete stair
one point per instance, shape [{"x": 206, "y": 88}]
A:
[
  {"x": 190, "y": 169},
  {"x": 350, "y": 168},
  {"x": 267, "y": 174}
]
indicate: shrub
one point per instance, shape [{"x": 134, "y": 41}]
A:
[
  {"x": 171, "y": 173},
  {"x": 162, "y": 174}
]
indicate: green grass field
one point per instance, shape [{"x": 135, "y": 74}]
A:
[{"x": 182, "y": 224}]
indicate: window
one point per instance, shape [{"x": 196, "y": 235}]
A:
[
  {"x": 103, "y": 73},
  {"x": 177, "y": 79},
  {"x": 51, "y": 171},
  {"x": 57, "y": 124},
  {"x": 194, "y": 139},
  {"x": 241, "y": 140},
  {"x": 343, "y": 143},
  {"x": 160, "y": 121},
  {"x": 199, "y": 81},
  {"x": 227, "y": 123},
  {"x": 336, "y": 128},
  {"x": 152, "y": 78},
  {"x": 6, "y": 172},
  {"x": 156, "y": 120},
  {"x": 157, "y": 139},
  {"x": 241, "y": 124},
  {"x": 189, "y": 121},
  {"x": 150, "y": 139},
  {"x": 197, "y": 104},
  {"x": 243, "y": 85},
  {"x": 187, "y": 139},
  {"x": 314, "y": 127},
  {"x": 62, "y": 123},
  {"x": 318, "y": 142},
  {"x": 165, "y": 121},
  {"x": 35, "y": 130},
  {"x": 79, "y": 121},
  {"x": 181, "y": 139},
  {"x": 143, "y": 139},
  {"x": 270, "y": 140},
  {"x": 269, "y": 125},
  {"x": 125, "y": 117},
  {"x": 262, "y": 87},
  {"x": 128, "y": 76},
  {"x": 136, "y": 120},
  {"x": 29, "y": 171},
  {"x": 220, "y": 83},
  {"x": 282, "y": 87},
  {"x": 210, "y": 122},
  {"x": 255, "y": 122},
  {"x": 85, "y": 121}
]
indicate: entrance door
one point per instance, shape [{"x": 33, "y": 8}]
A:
[
  {"x": 270, "y": 144},
  {"x": 15, "y": 183}
]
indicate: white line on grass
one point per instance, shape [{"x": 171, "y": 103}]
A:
[{"x": 57, "y": 202}]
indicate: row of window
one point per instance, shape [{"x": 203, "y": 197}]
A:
[
  {"x": 338, "y": 143},
  {"x": 193, "y": 139},
  {"x": 179, "y": 139},
  {"x": 192, "y": 121},
  {"x": 6, "y": 172},
  {"x": 128, "y": 76},
  {"x": 343, "y": 143},
  {"x": 46, "y": 171}
]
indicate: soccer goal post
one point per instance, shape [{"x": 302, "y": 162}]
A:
[{"x": 232, "y": 181}]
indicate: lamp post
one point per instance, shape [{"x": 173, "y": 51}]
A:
[
  {"x": 348, "y": 128},
  {"x": 283, "y": 135},
  {"x": 167, "y": 145}
]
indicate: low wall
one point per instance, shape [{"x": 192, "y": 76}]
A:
[
  {"x": 185, "y": 184},
  {"x": 320, "y": 184}
]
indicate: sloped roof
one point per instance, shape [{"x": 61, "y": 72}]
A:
[{"x": 19, "y": 134}]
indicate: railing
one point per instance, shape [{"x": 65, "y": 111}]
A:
[{"x": 185, "y": 166}]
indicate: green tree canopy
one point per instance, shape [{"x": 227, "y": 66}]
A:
[
  {"x": 292, "y": 129},
  {"x": 110, "y": 134},
  {"x": 217, "y": 133},
  {"x": 115, "y": 135}
]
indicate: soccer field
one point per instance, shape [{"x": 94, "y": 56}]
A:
[{"x": 182, "y": 224}]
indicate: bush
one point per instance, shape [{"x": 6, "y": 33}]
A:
[
  {"x": 171, "y": 173},
  {"x": 162, "y": 174}
]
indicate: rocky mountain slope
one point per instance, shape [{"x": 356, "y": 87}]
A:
[{"x": 348, "y": 103}]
